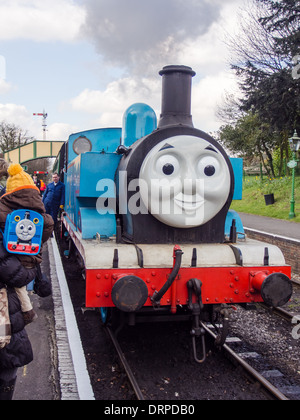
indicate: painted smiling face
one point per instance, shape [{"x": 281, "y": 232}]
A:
[
  {"x": 25, "y": 230},
  {"x": 184, "y": 181}
]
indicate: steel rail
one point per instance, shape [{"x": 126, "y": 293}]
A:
[
  {"x": 129, "y": 373},
  {"x": 263, "y": 381},
  {"x": 282, "y": 313}
]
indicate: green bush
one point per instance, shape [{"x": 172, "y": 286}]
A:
[{"x": 253, "y": 201}]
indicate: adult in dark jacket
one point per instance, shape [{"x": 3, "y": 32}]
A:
[
  {"x": 54, "y": 197},
  {"x": 18, "y": 352}
]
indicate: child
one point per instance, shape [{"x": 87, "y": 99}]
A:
[{"x": 22, "y": 193}]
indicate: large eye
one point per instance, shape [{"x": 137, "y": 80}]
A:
[
  {"x": 208, "y": 166},
  {"x": 167, "y": 165}
]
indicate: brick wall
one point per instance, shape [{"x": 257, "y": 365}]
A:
[{"x": 289, "y": 247}]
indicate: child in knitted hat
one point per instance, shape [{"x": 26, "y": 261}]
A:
[{"x": 21, "y": 193}]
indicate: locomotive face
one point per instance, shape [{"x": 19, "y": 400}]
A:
[
  {"x": 185, "y": 181},
  {"x": 25, "y": 230}
]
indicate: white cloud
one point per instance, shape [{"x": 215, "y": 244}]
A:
[
  {"x": 136, "y": 33},
  {"x": 142, "y": 39},
  {"x": 206, "y": 53},
  {"x": 107, "y": 107},
  {"x": 2, "y": 67},
  {"x": 209, "y": 57},
  {"x": 10, "y": 112},
  {"x": 47, "y": 20},
  {"x": 21, "y": 117},
  {"x": 111, "y": 103},
  {"x": 207, "y": 94},
  {"x": 60, "y": 131},
  {"x": 5, "y": 87}
]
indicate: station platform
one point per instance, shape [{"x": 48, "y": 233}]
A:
[
  {"x": 278, "y": 227},
  {"x": 58, "y": 371}
]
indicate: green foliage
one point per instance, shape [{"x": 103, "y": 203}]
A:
[
  {"x": 263, "y": 60},
  {"x": 250, "y": 138},
  {"x": 283, "y": 22},
  {"x": 280, "y": 161},
  {"x": 253, "y": 197}
]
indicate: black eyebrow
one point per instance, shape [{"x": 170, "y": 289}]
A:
[
  {"x": 211, "y": 149},
  {"x": 167, "y": 146}
]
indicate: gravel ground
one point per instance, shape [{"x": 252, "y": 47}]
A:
[{"x": 274, "y": 338}]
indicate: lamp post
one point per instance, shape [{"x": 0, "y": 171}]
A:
[{"x": 295, "y": 146}]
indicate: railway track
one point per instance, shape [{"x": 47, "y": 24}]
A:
[
  {"x": 294, "y": 312},
  {"x": 137, "y": 390},
  {"x": 267, "y": 387},
  {"x": 272, "y": 390},
  {"x": 140, "y": 391}
]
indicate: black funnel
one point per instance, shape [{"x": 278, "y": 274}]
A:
[{"x": 176, "y": 96}]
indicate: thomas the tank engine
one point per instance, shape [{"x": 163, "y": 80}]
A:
[{"x": 148, "y": 210}]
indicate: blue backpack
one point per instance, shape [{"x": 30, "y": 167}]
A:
[{"x": 23, "y": 232}]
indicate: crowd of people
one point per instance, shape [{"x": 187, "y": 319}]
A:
[{"x": 18, "y": 190}]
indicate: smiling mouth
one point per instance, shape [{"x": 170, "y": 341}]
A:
[
  {"x": 25, "y": 234},
  {"x": 189, "y": 203}
]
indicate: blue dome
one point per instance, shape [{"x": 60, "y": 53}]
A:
[{"x": 138, "y": 121}]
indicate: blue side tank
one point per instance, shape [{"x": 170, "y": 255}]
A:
[
  {"x": 105, "y": 140},
  {"x": 91, "y": 158},
  {"x": 139, "y": 120},
  {"x": 237, "y": 165},
  {"x": 93, "y": 161}
]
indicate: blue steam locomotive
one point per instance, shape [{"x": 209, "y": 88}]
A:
[{"x": 148, "y": 209}]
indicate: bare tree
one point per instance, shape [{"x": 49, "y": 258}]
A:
[
  {"x": 12, "y": 136},
  {"x": 255, "y": 44},
  {"x": 263, "y": 60},
  {"x": 229, "y": 111}
]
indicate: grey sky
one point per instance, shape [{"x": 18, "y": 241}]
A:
[{"x": 134, "y": 33}]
